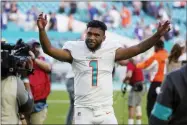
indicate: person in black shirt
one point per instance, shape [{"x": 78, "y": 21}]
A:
[{"x": 171, "y": 104}]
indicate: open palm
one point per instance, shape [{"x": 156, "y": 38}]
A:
[
  {"x": 163, "y": 28},
  {"x": 42, "y": 21}
]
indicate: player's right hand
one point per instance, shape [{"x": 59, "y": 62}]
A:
[
  {"x": 163, "y": 28},
  {"x": 42, "y": 21}
]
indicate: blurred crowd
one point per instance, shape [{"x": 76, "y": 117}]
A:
[
  {"x": 116, "y": 15},
  {"x": 109, "y": 12}
]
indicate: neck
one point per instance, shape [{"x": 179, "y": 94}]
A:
[
  {"x": 159, "y": 49},
  {"x": 95, "y": 49}
]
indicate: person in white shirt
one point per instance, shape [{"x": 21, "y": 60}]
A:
[
  {"x": 70, "y": 88},
  {"x": 115, "y": 16},
  {"x": 92, "y": 62},
  {"x": 65, "y": 68}
]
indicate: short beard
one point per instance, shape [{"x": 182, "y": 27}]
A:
[{"x": 95, "y": 48}]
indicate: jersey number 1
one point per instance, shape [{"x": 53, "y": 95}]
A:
[{"x": 94, "y": 66}]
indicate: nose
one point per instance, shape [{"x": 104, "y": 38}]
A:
[{"x": 92, "y": 37}]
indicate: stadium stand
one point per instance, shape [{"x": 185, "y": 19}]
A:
[{"x": 64, "y": 17}]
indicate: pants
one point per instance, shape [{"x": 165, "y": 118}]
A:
[
  {"x": 38, "y": 117},
  {"x": 70, "y": 89},
  {"x": 151, "y": 97},
  {"x": 104, "y": 115}
]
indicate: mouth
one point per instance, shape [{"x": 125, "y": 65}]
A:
[{"x": 91, "y": 43}]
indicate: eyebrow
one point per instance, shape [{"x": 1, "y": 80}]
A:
[{"x": 93, "y": 33}]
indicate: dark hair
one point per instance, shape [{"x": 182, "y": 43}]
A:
[
  {"x": 97, "y": 24},
  {"x": 176, "y": 51},
  {"x": 159, "y": 44}
]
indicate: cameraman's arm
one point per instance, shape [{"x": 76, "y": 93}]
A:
[
  {"x": 41, "y": 62},
  {"x": 24, "y": 98},
  {"x": 43, "y": 65},
  {"x": 128, "y": 77}
]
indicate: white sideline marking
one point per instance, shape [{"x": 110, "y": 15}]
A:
[{"x": 57, "y": 101}]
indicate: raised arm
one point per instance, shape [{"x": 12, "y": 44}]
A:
[
  {"x": 126, "y": 53},
  {"x": 59, "y": 54}
]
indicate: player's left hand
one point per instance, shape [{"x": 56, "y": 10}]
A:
[{"x": 163, "y": 28}]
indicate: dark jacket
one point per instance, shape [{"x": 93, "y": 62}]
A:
[{"x": 171, "y": 104}]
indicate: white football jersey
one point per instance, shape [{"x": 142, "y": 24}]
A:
[{"x": 93, "y": 73}]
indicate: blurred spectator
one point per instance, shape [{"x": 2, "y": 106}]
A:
[
  {"x": 147, "y": 32},
  {"x": 138, "y": 31},
  {"x": 98, "y": 16},
  {"x": 6, "y": 6},
  {"x": 82, "y": 5},
  {"x": 179, "y": 4},
  {"x": 62, "y": 7},
  {"x": 126, "y": 3},
  {"x": 137, "y": 5},
  {"x": 126, "y": 16},
  {"x": 142, "y": 23},
  {"x": 168, "y": 35},
  {"x": 14, "y": 7},
  {"x": 176, "y": 33},
  {"x": 70, "y": 89},
  {"x": 13, "y": 12},
  {"x": 32, "y": 13},
  {"x": 92, "y": 11},
  {"x": 70, "y": 22},
  {"x": 4, "y": 20},
  {"x": 151, "y": 8},
  {"x": 144, "y": 6},
  {"x": 162, "y": 13},
  {"x": 107, "y": 19},
  {"x": 31, "y": 17},
  {"x": 116, "y": 18},
  {"x": 73, "y": 7},
  {"x": 53, "y": 22},
  {"x": 173, "y": 59}
]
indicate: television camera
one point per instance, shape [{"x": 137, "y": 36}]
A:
[{"x": 13, "y": 58}]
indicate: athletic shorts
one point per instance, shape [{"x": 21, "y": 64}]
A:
[
  {"x": 135, "y": 98},
  {"x": 104, "y": 115}
]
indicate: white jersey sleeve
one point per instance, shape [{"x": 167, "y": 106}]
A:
[{"x": 68, "y": 45}]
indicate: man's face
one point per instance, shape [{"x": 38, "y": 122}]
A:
[{"x": 94, "y": 38}]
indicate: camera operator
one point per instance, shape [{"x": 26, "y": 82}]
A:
[
  {"x": 40, "y": 84},
  {"x": 16, "y": 98}
]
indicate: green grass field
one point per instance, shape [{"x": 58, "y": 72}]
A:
[{"x": 59, "y": 103}]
